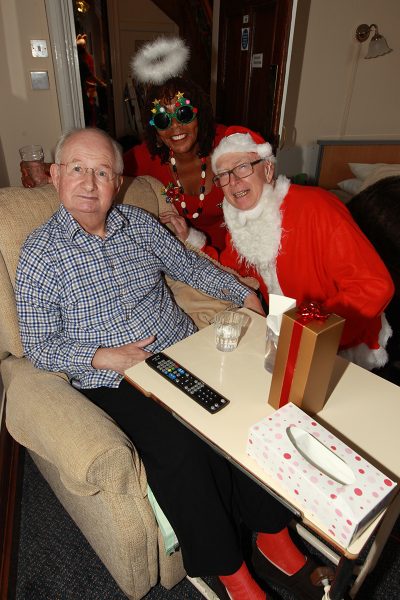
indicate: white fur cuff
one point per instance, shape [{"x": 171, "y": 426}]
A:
[{"x": 196, "y": 238}]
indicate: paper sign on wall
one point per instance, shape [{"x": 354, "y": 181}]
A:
[{"x": 257, "y": 61}]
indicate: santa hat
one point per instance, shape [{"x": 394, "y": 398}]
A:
[{"x": 241, "y": 139}]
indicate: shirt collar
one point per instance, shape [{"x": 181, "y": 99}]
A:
[{"x": 115, "y": 221}]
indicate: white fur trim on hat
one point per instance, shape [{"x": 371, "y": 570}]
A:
[
  {"x": 158, "y": 61},
  {"x": 240, "y": 142}
]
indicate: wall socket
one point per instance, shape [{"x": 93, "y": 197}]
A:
[{"x": 40, "y": 80}]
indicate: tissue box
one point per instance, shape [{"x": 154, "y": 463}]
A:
[
  {"x": 326, "y": 476},
  {"x": 305, "y": 356}
]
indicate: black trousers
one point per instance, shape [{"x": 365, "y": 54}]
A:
[{"x": 205, "y": 498}]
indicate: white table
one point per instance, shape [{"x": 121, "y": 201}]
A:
[{"x": 362, "y": 409}]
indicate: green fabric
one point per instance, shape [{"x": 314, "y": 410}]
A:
[{"x": 170, "y": 540}]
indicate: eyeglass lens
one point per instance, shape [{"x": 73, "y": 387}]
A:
[
  {"x": 184, "y": 115},
  {"x": 78, "y": 170},
  {"x": 243, "y": 170}
]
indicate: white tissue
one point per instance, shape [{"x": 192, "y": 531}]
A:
[{"x": 277, "y": 306}]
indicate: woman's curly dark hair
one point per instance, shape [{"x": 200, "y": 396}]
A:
[{"x": 198, "y": 98}]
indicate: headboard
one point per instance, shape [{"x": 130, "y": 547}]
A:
[{"x": 334, "y": 156}]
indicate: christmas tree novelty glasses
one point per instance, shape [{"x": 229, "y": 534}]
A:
[{"x": 184, "y": 113}]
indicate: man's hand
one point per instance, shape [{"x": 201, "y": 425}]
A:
[
  {"x": 179, "y": 224},
  {"x": 253, "y": 303},
  {"x": 28, "y": 181},
  {"x": 121, "y": 358}
]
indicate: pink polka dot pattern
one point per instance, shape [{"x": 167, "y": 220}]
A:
[{"x": 341, "y": 507}]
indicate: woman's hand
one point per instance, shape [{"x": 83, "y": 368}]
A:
[{"x": 178, "y": 223}]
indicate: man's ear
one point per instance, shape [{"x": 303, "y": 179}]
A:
[
  {"x": 55, "y": 175},
  {"x": 269, "y": 170},
  {"x": 119, "y": 182}
]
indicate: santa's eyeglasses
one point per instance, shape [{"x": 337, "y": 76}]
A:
[{"x": 240, "y": 171}]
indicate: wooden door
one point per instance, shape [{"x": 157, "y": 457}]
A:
[{"x": 253, "y": 45}]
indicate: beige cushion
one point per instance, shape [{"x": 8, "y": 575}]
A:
[
  {"x": 21, "y": 211},
  {"x": 88, "y": 459}
]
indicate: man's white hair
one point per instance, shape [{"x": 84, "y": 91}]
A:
[{"x": 118, "y": 166}]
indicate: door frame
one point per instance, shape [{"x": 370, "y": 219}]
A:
[
  {"x": 61, "y": 24},
  {"x": 281, "y": 130}
]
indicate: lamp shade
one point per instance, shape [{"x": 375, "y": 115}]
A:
[{"x": 377, "y": 47}]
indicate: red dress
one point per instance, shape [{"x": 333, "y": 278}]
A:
[{"x": 138, "y": 161}]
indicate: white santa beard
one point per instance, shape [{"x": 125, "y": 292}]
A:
[{"x": 256, "y": 233}]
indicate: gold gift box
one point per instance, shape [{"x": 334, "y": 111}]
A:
[{"x": 304, "y": 360}]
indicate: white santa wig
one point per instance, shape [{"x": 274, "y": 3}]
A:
[
  {"x": 159, "y": 60},
  {"x": 241, "y": 139}
]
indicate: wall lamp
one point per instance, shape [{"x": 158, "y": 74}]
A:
[{"x": 378, "y": 45}]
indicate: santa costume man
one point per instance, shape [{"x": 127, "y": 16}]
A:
[{"x": 300, "y": 242}]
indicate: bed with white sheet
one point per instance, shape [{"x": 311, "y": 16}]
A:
[{"x": 346, "y": 167}]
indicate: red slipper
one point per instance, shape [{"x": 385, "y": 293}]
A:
[{"x": 300, "y": 584}]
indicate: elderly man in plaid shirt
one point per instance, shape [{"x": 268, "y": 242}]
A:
[{"x": 92, "y": 301}]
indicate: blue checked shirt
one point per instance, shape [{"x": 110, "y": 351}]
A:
[{"x": 77, "y": 292}]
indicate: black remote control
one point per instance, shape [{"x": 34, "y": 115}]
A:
[{"x": 194, "y": 387}]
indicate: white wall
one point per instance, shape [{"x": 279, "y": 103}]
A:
[
  {"x": 26, "y": 116},
  {"x": 333, "y": 91},
  {"x": 325, "y": 78}
]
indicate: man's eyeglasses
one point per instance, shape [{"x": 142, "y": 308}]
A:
[
  {"x": 183, "y": 114},
  {"x": 78, "y": 171},
  {"x": 243, "y": 170}
]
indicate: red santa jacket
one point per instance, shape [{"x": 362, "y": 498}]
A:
[{"x": 322, "y": 256}]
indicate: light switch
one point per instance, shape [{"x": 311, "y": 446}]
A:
[
  {"x": 39, "y": 48},
  {"x": 40, "y": 80}
]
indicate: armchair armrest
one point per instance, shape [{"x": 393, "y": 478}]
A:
[{"x": 47, "y": 415}]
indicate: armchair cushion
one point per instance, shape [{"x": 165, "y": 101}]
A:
[{"x": 88, "y": 459}]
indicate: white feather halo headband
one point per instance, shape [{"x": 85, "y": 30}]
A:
[{"x": 160, "y": 60}]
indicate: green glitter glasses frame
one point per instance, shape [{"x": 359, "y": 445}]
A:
[
  {"x": 78, "y": 171},
  {"x": 243, "y": 170},
  {"x": 184, "y": 113}
]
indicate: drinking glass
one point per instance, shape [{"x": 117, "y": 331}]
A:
[
  {"x": 228, "y": 326},
  {"x": 32, "y": 158}
]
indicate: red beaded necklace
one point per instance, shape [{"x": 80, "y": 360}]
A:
[{"x": 177, "y": 192}]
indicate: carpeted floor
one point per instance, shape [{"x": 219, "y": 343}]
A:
[{"x": 56, "y": 563}]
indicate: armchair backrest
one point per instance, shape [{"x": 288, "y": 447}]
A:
[{"x": 21, "y": 211}]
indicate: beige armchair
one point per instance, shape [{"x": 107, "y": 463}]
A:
[{"x": 89, "y": 463}]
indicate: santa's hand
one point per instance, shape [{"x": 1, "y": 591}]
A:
[
  {"x": 253, "y": 303},
  {"x": 178, "y": 223}
]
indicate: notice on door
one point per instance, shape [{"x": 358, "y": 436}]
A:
[
  {"x": 245, "y": 38},
  {"x": 257, "y": 61}
]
